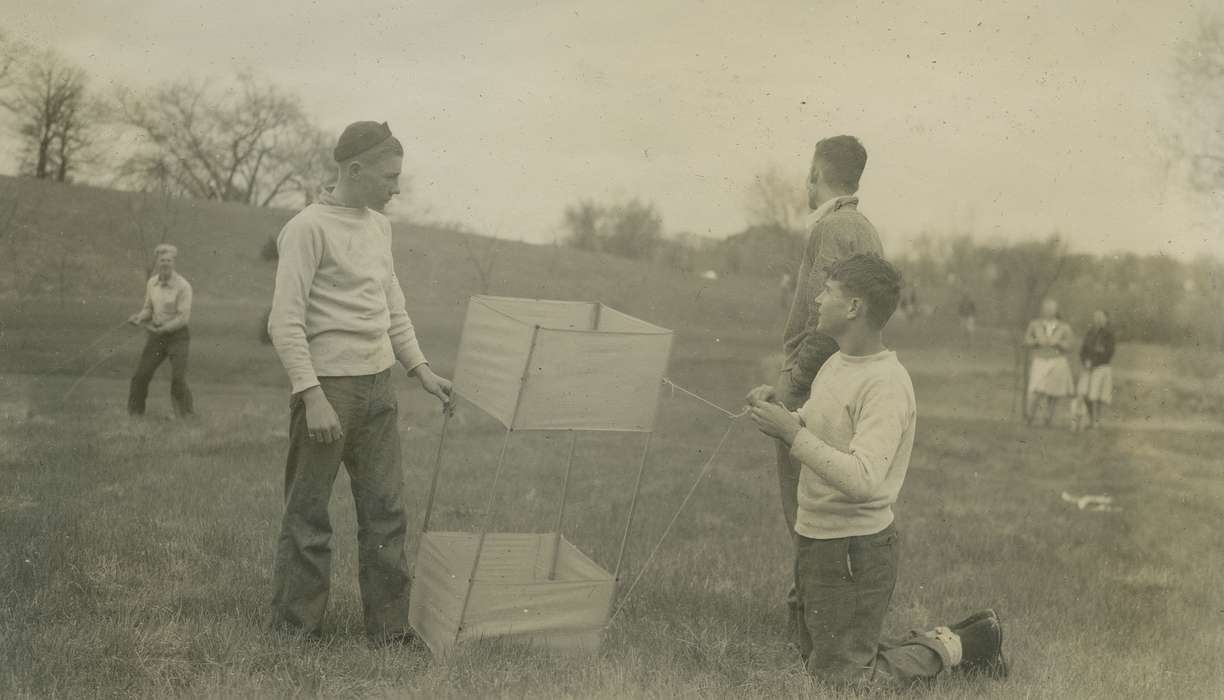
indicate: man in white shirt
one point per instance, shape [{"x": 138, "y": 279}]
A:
[
  {"x": 339, "y": 324},
  {"x": 166, "y": 311},
  {"x": 853, "y": 439}
]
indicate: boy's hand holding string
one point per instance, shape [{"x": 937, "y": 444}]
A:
[{"x": 770, "y": 416}]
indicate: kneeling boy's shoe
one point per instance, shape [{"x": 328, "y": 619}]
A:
[
  {"x": 982, "y": 647},
  {"x": 973, "y": 617}
]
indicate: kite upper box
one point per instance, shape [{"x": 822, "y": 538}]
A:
[{"x": 561, "y": 365}]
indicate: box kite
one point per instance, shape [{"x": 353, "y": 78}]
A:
[{"x": 537, "y": 365}]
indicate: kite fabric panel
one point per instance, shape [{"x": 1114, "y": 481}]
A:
[
  {"x": 492, "y": 358},
  {"x": 512, "y": 596},
  {"x": 593, "y": 381},
  {"x": 556, "y": 365}
]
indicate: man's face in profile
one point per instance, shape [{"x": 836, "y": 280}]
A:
[
  {"x": 378, "y": 180},
  {"x": 813, "y": 178}
]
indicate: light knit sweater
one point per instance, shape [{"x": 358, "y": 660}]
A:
[
  {"x": 338, "y": 309},
  {"x": 855, "y": 445}
]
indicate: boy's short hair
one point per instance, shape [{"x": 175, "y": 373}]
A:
[
  {"x": 873, "y": 279},
  {"x": 843, "y": 159},
  {"x": 165, "y": 249}
]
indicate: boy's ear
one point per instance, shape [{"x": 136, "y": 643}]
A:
[{"x": 855, "y": 309}]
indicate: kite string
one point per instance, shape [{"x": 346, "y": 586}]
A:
[
  {"x": 92, "y": 367},
  {"x": 667, "y": 530},
  {"x": 705, "y": 469},
  {"x": 676, "y": 387},
  {"x": 81, "y": 353}
]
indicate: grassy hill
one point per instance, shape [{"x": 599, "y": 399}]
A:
[{"x": 77, "y": 257}]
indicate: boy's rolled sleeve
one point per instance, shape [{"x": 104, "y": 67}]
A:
[{"x": 403, "y": 334}]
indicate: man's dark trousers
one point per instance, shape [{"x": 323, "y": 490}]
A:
[
  {"x": 176, "y": 346},
  {"x": 370, "y": 451}
]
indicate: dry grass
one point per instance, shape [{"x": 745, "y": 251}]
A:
[{"x": 136, "y": 555}]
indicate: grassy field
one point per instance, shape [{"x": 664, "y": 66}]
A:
[{"x": 135, "y": 555}]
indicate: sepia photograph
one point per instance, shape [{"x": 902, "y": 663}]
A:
[{"x": 651, "y": 349}]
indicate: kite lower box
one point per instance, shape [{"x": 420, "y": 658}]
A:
[{"x": 512, "y": 596}]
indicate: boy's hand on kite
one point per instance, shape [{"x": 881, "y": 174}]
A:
[
  {"x": 134, "y": 319},
  {"x": 775, "y": 421},
  {"x": 440, "y": 387}
]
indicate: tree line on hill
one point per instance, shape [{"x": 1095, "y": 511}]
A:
[
  {"x": 239, "y": 140},
  {"x": 1151, "y": 298}
]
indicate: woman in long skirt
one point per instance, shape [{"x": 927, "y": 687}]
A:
[{"x": 1048, "y": 339}]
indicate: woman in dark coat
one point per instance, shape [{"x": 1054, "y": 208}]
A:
[{"x": 1096, "y": 353}]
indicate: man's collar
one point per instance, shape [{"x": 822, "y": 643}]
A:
[
  {"x": 832, "y": 205},
  {"x": 327, "y": 196}
]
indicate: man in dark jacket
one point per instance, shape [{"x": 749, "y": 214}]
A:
[{"x": 837, "y": 231}]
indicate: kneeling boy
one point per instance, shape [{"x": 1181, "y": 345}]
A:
[{"x": 853, "y": 438}]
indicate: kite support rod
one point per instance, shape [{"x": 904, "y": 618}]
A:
[
  {"x": 569, "y": 469},
  {"x": 467, "y": 596},
  {"x": 637, "y": 489},
  {"x": 437, "y": 470}
]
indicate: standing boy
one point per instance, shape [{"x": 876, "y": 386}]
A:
[
  {"x": 166, "y": 311},
  {"x": 853, "y": 438},
  {"x": 338, "y": 323}
]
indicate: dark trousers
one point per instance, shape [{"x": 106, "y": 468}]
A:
[
  {"x": 176, "y": 346},
  {"x": 370, "y": 451},
  {"x": 844, "y": 586}
]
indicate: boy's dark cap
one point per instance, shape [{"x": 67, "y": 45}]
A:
[{"x": 359, "y": 137}]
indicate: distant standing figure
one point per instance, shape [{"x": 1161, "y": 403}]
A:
[
  {"x": 1096, "y": 353},
  {"x": 1049, "y": 338},
  {"x": 166, "y": 311},
  {"x": 967, "y": 311}
]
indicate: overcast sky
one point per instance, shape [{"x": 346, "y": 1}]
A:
[{"x": 1008, "y": 119}]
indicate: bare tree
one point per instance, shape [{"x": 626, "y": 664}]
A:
[
  {"x": 776, "y": 199},
  {"x": 10, "y": 49},
  {"x": 583, "y": 222},
  {"x": 1028, "y": 273},
  {"x": 245, "y": 142},
  {"x": 150, "y": 218},
  {"x": 482, "y": 255},
  {"x": 634, "y": 229},
  {"x": 631, "y": 229},
  {"x": 49, "y": 103},
  {"x": 1196, "y": 141}
]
